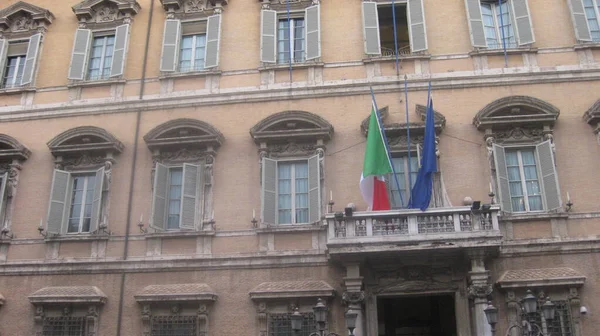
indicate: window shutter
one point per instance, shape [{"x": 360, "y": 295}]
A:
[
  {"x": 159, "y": 199},
  {"x": 269, "y": 191},
  {"x": 268, "y": 36},
  {"x": 31, "y": 59},
  {"x": 3, "y": 195},
  {"x": 523, "y": 25},
  {"x": 549, "y": 176},
  {"x": 213, "y": 35},
  {"x": 314, "y": 189},
  {"x": 58, "y": 200},
  {"x": 79, "y": 56},
  {"x": 419, "y": 151},
  {"x": 580, "y": 23},
  {"x": 3, "y": 53},
  {"x": 189, "y": 196},
  {"x": 502, "y": 176},
  {"x": 312, "y": 16},
  {"x": 475, "y": 20},
  {"x": 97, "y": 200},
  {"x": 371, "y": 28},
  {"x": 170, "y": 46},
  {"x": 120, "y": 52},
  {"x": 416, "y": 26}
]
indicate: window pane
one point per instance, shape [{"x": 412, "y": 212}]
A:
[
  {"x": 86, "y": 225},
  {"x": 302, "y": 216},
  {"x": 301, "y": 201},
  {"x": 73, "y": 225},
  {"x": 533, "y": 188},
  {"x": 514, "y": 174},
  {"x": 516, "y": 189},
  {"x": 285, "y": 216},
  {"x": 528, "y": 157},
  {"x": 535, "y": 203},
  {"x": 518, "y": 204}
]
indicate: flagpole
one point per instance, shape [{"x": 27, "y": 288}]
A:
[
  {"x": 408, "y": 205},
  {"x": 385, "y": 142},
  {"x": 502, "y": 31}
]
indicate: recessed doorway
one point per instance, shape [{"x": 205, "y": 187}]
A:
[{"x": 431, "y": 315}]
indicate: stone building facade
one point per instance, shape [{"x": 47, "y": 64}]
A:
[{"x": 191, "y": 167}]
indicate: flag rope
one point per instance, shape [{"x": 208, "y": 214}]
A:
[
  {"x": 395, "y": 37},
  {"x": 502, "y": 31},
  {"x": 291, "y": 40}
]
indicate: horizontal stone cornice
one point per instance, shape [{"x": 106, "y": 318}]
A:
[{"x": 278, "y": 92}]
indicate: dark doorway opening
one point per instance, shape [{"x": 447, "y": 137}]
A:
[{"x": 431, "y": 315}]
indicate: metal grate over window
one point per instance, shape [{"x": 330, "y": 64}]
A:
[
  {"x": 64, "y": 326},
  {"x": 175, "y": 325},
  {"x": 281, "y": 325},
  {"x": 561, "y": 325}
]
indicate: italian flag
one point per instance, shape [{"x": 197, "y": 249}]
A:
[{"x": 375, "y": 167}]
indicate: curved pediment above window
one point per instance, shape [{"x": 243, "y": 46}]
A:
[
  {"x": 85, "y": 146},
  {"x": 106, "y": 11},
  {"x": 282, "y": 5},
  {"x": 190, "y": 9},
  {"x": 184, "y": 133},
  {"x": 11, "y": 149},
  {"x": 516, "y": 111},
  {"x": 291, "y": 126},
  {"x": 23, "y": 19}
]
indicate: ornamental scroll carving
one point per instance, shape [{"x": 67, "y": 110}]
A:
[
  {"x": 192, "y": 9},
  {"x": 412, "y": 279},
  {"x": 353, "y": 298},
  {"x": 480, "y": 291}
]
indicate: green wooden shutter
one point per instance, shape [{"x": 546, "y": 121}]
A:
[
  {"x": 580, "y": 22},
  {"x": 371, "y": 28},
  {"x": 213, "y": 36},
  {"x": 3, "y": 196},
  {"x": 58, "y": 200},
  {"x": 268, "y": 36},
  {"x": 31, "y": 59},
  {"x": 502, "y": 178},
  {"x": 417, "y": 28},
  {"x": 522, "y": 19},
  {"x": 3, "y": 53},
  {"x": 159, "y": 198},
  {"x": 170, "y": 46},
  {"x": 189, "y": 196},
  {"x": 269, "y": 191},
  {"x": 79, "y": 56},
  {"x": 314, "y": 189},
  {"x": 475, "y": 20},
  {"x": 120, "y": 52},
  {"x": 97, "y": 200},
  {"x": 312, "y": 15},
  {"x": 548, "y": 175}
]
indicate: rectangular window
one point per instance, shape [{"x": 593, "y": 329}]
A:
[
  {"x": 64, "y": 326},
  {"x": 401, "y": 168},
  {"x": 174, "y": 202},
  {"x": 192, "y": 52},
  {"x": 592, "y": 13},
  {"x": 498, "y": 27},
  {"x": 15, "y": 64},
  {"x": 82, "y": 196},
  {"x": 101, "y": 57},
  {"x": 524, "y": 184},
  {"x": 174, "y": 325},
  {"x": 386, "y": 30},
  {"x": 281, "y": 325},
  {"x": 292, "y": 187},
  {"x": 291, "y": 32},
  {"x": 560, "y": 325}
]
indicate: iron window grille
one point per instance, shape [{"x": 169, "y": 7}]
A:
[
  {"x": 64, "y": 326},
  {"x": 560, "y": 325},
  {"x": 281, "y": 324},
  {"x": 175, "y": 325}
]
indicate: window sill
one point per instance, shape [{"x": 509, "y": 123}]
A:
[
  {"x": 189, "y": 74},
  {"x": 76, "y": 237},
  {"x": 17, "y": 90},
  {"x": 179, "y": 234},
  {"x": 500, "y": 52},
  {"x": 587, "y": 45},
  {"x": 287, "y": 228},
  {"x": 89, "y": 83},
  {"x": 304, "y": 65},
  {"x": 373, "y": 59},
  {"x": 533, "y": 216}
]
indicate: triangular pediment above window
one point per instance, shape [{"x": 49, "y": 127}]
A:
[
  {"x": 99, "y": 11},
  {"x": 291, "y": 126},
  {"x": 24, "y": 17}
]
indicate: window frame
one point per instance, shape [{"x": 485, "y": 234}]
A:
[
  {"x": 294, "y": 16},
  {"x": 392, "y": 184},
  {"x": 596, "y": 5},
  {"x": 105, "y": 34},
  {"x": 69, "y": 204},
  {"x": 20, "y": 58},
  {"x": 389, "y": 5},
  {"x": 525, "y": 195},
  {"x": 293, "y": 208},
  {"x": 167, "y": 205},
  {"x": 498, "y": 30},
  {"x": 193, "y": 59},
  {"x": 309, "y": 323}
]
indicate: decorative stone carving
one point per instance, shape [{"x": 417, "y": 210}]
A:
[
  {"x": 23, "y": 20},
  {"x": 94, "y": 13},
  {"x": 282, "y": 5},
  {"x": 12, "y": 156},
  {"x": 190, "y": 9},
  {"x": 188, "y": 133},
  {"x": 351, "y": 298},
  {"x": 592, "y": 117},
  {"x": 88, "y": 140},
  {"x": 291, "y": 126},
  {"x": 412, "y": 279},
  {"x": 480, "y": 290}
]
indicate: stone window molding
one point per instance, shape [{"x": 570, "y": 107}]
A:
[
  {"x": 285, "y": 296},
  {"x": 192, "y": 9},
  {"x": 84, "y": 302},
  {"x": 190, "y": 141},
  {"x": 170, "y": 302},
  {"x": 22, "y": 20},
  {"x": 592, "y": 117},
  {"x": 281, "y": 5},
  {"x": 94, "y": 14},
  {"x": 12, "y": 156}
]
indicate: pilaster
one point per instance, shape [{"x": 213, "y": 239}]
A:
[{"x": 479, "y": 290}]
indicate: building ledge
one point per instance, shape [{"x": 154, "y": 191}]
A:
[
  {"x": 291, "y": 289},
  {"x": 93, "y": 83},
  {"x": 532, "y": 216},
  {"x": 392, "y": 58},
  {"x": 179, "y": 234},
  {"x": 179, "y": 293},
  {"x": 542, "y": 277},
  {"x": 68, "y": 294},
  {"x": 75, "y": 238},
  {"x": 587, "y": 45},
  {"x": 295, "y": 66},
  {"x": 189, "y": 74},
  {"x": 17, "y": 90},
  {"x": 284, "y": 228},
  {"x": 500, "y": 52}
]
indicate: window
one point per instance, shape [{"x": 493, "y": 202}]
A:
[
  {"x": 101, "y": 57},
  {"x": 175, "y": 325},
  {"x": 498, "y": 25},
  {"x": 17, "y": 61},
  {"x": 64, "y": 326},
  {"x": 525, "y": 193},
  {"x": 290, "y": 40},
  {"x": 378, "y": 25},
  {"x": 560, "y": 325},
  {"x": 192, "y": 52},
  {"x": 280, "y": 324},
  {"x": 292, "y": 192},
  {"x": 401, "y": 168},
  {"x": 174, "y": 202},
  {"x": 80, "y": 213},
  {"x": 592, "y": 13}
]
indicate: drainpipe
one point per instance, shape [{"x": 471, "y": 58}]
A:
[{"x": 132, "y": 172}]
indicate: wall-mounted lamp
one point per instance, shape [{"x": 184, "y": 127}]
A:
[{"x": 141, "y": 225}]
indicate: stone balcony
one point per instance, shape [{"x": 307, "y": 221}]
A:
[{"x": 405, "y": 230}]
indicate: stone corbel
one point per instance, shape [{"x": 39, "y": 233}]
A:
[
  {"x": 92, "y": 320},
  {"x": 575, "y": 306},
  {"x": 513, "y": 311},
  {"x": 262, "y": 318}
]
